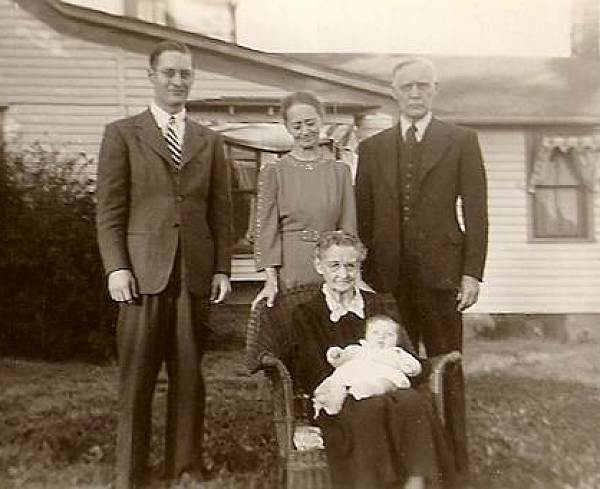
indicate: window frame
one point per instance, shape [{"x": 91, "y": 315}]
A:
[{"x": 586, "y": 200}]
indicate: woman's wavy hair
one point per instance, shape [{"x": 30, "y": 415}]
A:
[
  {"x": 328, "y": 239},
  {"x": 306, "y": 98}
]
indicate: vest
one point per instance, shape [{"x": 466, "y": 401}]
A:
[{"x": 409, "y": 164}]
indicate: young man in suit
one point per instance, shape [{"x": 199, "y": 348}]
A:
[
  {"x": 164, "y": 231},
  {"x": 409, "y": 180}
]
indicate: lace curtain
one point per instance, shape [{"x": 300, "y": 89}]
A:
[{"x": 583, "y": 151}]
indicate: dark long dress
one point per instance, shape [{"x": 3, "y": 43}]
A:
[{"x": 375, "y": 442}]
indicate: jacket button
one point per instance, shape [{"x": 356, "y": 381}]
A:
[
  {"x": 176, "y": 225},
  {"x": 179, "y": 198}
]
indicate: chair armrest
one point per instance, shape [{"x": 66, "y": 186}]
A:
[
  {"x": 283, "y": 399},
  {"x": 439, "y": 365}
]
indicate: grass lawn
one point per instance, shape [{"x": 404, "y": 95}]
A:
[{"x": 533, "y": 415}]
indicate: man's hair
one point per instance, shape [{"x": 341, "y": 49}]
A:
[
  {"x": 413, "y": 60},
  {"x": 167, "y": 45},
  {"x": 339, "y": 238},
  {"x": 306, "y": 98},
  {"x": 377, "y": 318}
]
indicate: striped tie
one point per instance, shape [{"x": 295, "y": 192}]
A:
[{"x": 173, "y": 142}]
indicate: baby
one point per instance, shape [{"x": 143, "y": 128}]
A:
[{"x": 372, "y": 368}]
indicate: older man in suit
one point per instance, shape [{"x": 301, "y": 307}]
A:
[
  {"x": 164, "y": 231},
  {"x": 409, "y": 180}
]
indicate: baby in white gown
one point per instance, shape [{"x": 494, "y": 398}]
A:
[{"x": 371, "y": 368}]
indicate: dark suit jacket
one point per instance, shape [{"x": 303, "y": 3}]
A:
[
  {"x": 147, "y": 209},
  {"x": 452, "y": 166}
]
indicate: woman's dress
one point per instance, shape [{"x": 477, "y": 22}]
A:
[
  {"x": 375, "y": 442},
  {"x": 296, "y": 202}
]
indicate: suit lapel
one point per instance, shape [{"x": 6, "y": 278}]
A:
[
  {"x": 389, "y": 152},
  {"x": 435, "y": 143},
  {"x": 151, "y": 135},
  {"x": 193, "y": 141}
]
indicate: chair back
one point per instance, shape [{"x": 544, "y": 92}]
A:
[{"x": 271, "y": 330}]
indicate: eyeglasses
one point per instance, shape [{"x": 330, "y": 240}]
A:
[
  {"x": 420, "y": 86},
  {"x": 336, "y": 266},
  {"x": 169, "y": 73}
]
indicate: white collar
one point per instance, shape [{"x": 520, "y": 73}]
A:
[
  {"x": 162, "y": 117},
  {"x": 421, "y": 125},
  {"x": 338, "y": 310}
]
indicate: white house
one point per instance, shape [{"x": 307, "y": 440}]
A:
[{"x": 67, "y": 70}]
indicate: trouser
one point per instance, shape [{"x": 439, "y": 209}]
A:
[
  {"x": 430, "y": 316},
  {"x": 168, "y": 327}
]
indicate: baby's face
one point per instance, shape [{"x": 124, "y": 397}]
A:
[{"x": 382, "y": 334}]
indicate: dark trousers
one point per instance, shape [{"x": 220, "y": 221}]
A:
[
  {"x": 430, "y": 316},
  {"x": 168, "y": 327}
]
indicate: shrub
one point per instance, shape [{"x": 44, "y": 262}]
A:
[{"x": 53, "y": 302}]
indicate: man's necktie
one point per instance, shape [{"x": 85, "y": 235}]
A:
[
  {"x": 173, "y": 142},
  {"x": 411, "y": 138}
]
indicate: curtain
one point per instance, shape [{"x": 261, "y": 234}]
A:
[{"x": 584, "y": 151}]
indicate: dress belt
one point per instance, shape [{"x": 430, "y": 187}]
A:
[{"x": 308, "y": 235}]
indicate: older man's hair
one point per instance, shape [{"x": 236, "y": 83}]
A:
[
  {"x": 167, "y": 45},
  {"x": 328, "y": 239},
  {"x": 414, "y": 60}
]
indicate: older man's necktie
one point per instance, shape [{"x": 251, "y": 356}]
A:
[
  {"x": 173, "y": 142},
  {"x": 411, "y": 137}
]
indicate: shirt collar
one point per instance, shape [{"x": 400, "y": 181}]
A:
[
  {"x": 162, "y": 117},
  {"x": 338, "y": 310},
  {"x": 421, "y": 125}
]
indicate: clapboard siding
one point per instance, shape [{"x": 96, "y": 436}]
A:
[
  {"x": 58, "y": 90},
  {"x": 523, "y": 276},
  {"x": 61, "y": 90}
]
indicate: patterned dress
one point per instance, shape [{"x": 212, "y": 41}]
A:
[{"x": 296, "y": 202}]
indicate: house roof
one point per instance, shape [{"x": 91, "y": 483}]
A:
[
  {"x": 332, "y": 85},
  {"x": 495, "y": 89},
  {"x": 483, "y": 90}
]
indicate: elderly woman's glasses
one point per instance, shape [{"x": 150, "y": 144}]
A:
[{"x": 336, "y": 266}]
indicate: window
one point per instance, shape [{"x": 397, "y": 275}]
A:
[
  {"x": 246, "y": 161},
  {"x": 561, "y": 185}
]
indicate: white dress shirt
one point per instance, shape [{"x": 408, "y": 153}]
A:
[
  {"x": 162, "y": 121},
  {"x": 421, "y": 125}
]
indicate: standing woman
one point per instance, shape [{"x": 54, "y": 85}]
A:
[{"x": 301, "y": 195}]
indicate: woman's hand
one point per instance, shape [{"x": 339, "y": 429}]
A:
[{"x": 269, "y": 290}]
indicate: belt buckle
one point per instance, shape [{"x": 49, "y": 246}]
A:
[{"x": 309, "y": 235}]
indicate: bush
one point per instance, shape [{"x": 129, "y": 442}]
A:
[{"x": 53, "y": 302}]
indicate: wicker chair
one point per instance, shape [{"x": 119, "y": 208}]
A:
[{"x": 269, "y": 347}]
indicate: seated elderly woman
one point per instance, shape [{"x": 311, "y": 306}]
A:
[{"x": 386, "y": 440}]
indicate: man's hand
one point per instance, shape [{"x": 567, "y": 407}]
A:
[
  {"x": 122, "y": 286},
  {"x": 468, "y": 293},
  {"x": 219, "y": 288}
]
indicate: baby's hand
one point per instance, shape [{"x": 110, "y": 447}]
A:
[
  {"x": 351, "y": 351},
  {"x": 335, "y": 355}
]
